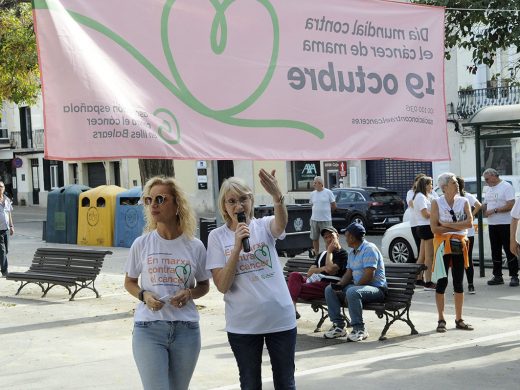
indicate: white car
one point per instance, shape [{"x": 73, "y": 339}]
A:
[{"x": 398, "y": 244}]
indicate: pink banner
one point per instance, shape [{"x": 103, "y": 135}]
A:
[{"x": 248, "y": 79}]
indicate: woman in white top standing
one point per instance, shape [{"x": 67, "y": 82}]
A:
[
  {"x": 258, "y": 308},
  {"x": 171, "y": 264},
  {"x": 475, "y": 206},
  {"x": 413, "y": 221},
  {"x": 422, "y": 207},
  {"x": 450, "y": 218}
]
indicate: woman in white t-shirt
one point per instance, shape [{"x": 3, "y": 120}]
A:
[
  {"x": 172, "y": 266},
  {"x": 258, "y": 305},
  {"x": 421, "y": 208},
  {"x": 475, "y": 206},
  {"x": 413, "y": 222}
]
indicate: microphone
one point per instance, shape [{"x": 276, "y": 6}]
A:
[{"x": 241, "y": 217}]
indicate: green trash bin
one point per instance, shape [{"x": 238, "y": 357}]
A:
[{"x": 62, "y": 214}]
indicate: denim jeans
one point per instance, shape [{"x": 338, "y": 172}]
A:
[
  {"x": 166, "y": 353},
  {"x": 4, "y": 247},
  {"x": 248, "y": 348},
  {"x": 355, "y": 296}
]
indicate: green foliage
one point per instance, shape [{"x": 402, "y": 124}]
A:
[
  {"x": 19, "y": 72},
  {"x": 482, "y": 27}
]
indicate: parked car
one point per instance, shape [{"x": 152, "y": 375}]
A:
[
  {"x": 398, "y": 244},
  {"x": 373, "y": 207}
]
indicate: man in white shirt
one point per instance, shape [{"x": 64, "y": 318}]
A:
[
  {"x": 6, "y": 227},
  {"x": 498, "y": 202},
  {"x": 323, "y": 203}
]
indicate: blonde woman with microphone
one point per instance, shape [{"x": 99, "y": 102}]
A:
[{"x": 258, "y": 307}]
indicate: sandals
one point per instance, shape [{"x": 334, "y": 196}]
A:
[
  {"x": 460, "y": 324},
  {"x": 441, "y": 326}
]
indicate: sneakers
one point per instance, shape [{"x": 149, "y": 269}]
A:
[
  {"x": 429, "y": 286},
  {"x": 471, "y": 289},
  {"x": 335, "y": 332},
  {"x": 513, "y": 282},
  {"x": 357, "y": 335},
  {"x": 495, "y": 281},
  {"x": 419, "y": 282}
]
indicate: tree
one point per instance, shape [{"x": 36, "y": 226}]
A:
[
  {"x": 482, "y": 27},
  {"x": 19, "y": 72},
  {"x": 149, "y": 168}
]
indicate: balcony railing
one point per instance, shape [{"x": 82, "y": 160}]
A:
[
  {"x": 470, "y": 101},
  {"x": 35, "y": 143}
]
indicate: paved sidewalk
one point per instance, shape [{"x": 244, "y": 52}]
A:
[{"x": 52, "y": 343}]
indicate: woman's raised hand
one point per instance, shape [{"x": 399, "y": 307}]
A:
[{"x": 270, "y": 184}]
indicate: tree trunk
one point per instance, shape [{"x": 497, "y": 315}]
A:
[{"x": 149, "y": 168}]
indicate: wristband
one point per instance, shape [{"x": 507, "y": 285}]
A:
[{"x": 141, "y": 295}]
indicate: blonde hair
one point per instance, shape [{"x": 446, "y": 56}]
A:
[
  {"x": 236, "y": 186},
  {"x": 185, "y": 214}
]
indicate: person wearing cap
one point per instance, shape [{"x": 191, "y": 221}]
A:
[
  {"x": 328, "y": 267},
  {"x": 363, "y": 282}
]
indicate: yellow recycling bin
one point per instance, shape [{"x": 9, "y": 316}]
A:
[{"x": 96, "y": 215}]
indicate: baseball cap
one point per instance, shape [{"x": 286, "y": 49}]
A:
[
  {"x": 356, "y": 229},
  {"x": 328, "y": 229}
]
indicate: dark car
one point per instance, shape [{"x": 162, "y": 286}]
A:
[{"x": 373, "y": 207}]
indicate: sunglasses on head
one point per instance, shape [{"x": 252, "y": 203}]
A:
[{"x": 159, "y": 199}]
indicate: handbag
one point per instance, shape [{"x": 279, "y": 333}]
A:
[{"x": 456, "y": 247}]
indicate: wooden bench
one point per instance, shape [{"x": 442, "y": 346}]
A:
[
  {"x": 302, "y": 265},
  {"x": 51, "y": 267},
  {"x": 396, "y": 306}
]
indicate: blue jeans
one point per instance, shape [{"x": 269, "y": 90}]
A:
[
  {"x": 4, "y": 248},
  {"x": 166, "y": 353},
  {"x": 248, "y": 348},
  {"x": 355, "y": 296}
]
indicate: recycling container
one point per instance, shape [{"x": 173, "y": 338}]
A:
[
  {"x": 297, "y": 239},
  {"x": 62, "y": 214},
  {"x": 129, "y": 217},
  {"x": 96, "y": 215}
]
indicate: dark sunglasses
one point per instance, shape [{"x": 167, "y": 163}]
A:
[
  {"x": 453, "y": 216},
  {"x": 159, "y": 199}
]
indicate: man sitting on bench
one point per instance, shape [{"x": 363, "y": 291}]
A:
[
  {"x": 328, "y": 267},
  {"x": 363, "y": 282}
]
